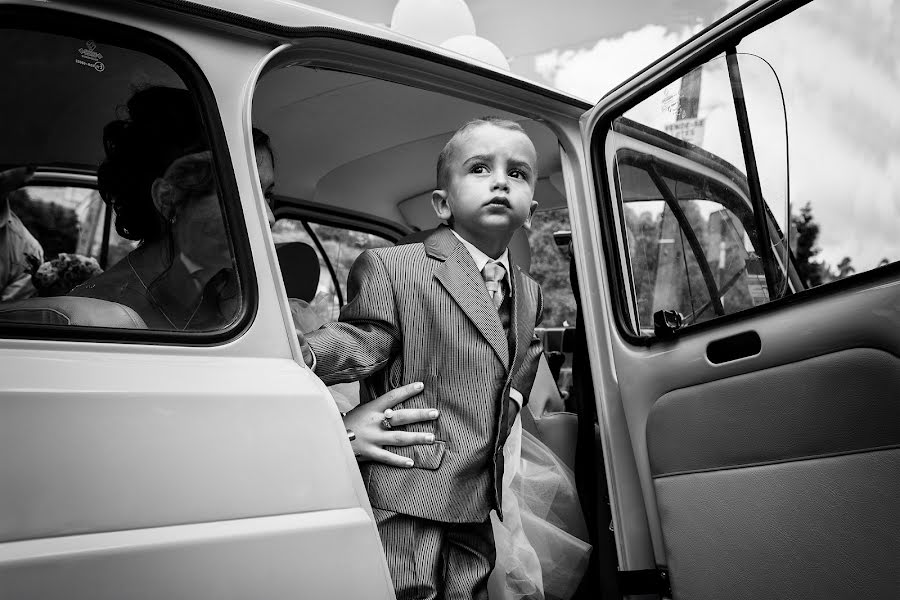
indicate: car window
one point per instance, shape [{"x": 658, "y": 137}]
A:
[
  {"x": 667, "y": 271},
  {"x": 163, "y": 258},
  {"x": 341, "y": 248},
  {"x": 71, "y": 219},
  {"x": 703, "y": 234},
  {"x": 548, "y": 239},
  {"x": 550, "y": 266},
  {"x": 845, "y": 135}
]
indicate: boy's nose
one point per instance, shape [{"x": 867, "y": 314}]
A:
[{"x": 501, "y": 181}]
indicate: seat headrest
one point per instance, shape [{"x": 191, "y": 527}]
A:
[
  {"x": 519, "y": 250},
  {"x": 300, "y": 269},
  {"x": 71, "y": 310}
]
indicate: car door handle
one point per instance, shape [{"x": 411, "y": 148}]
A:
[{"x": 733, "y": 347}]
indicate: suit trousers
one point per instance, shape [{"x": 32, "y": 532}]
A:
[{"x": 431, "y": 560}]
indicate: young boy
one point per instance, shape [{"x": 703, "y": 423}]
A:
[{"x": 457, "y": 313}]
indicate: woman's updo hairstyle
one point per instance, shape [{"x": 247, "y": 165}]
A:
[{"x": 162, "y": 124}]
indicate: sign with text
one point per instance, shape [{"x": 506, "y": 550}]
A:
[{"x": 689, "y": 130}]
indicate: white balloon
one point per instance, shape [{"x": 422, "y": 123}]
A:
[
  {"x": 478, "y": 48},
  {"x": 433, "y": 21}
]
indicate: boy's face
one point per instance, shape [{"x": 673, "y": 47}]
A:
[{"x": 491, "y": 183}]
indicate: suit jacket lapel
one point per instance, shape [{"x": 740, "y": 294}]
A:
[{"x": 460, "y": 277}]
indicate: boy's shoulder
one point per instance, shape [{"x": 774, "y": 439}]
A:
[
  {"x": 417, "y": 244},
  {"x": 402, "y": 251}
]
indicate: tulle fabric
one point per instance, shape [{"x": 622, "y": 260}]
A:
[
  {"x": 541, "y": 552},
  {"x": 306, "y": 319}
]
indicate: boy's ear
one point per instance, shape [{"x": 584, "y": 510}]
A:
[
  {"x": 163, "y": 194},
  {"x": 527, "y": 223},
  {"x": 441, "y": 204}
]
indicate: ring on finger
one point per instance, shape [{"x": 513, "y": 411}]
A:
[{"x": 386, "y": 423}]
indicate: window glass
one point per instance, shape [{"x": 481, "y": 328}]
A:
[
  {"x": 135, "y": 130},
  {"x": 690, "y": 217},
  {"x": 342, "y": 247},
  {"x": 550, "y": 267},
  {"x": 70, "y": 219},
  {"x": 838, "y": 63},
  {"x": 548, "y": 238},
  {"x": 667, "y": 271}
]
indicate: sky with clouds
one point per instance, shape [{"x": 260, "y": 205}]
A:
[
  {"x": 839, "y": 65},
  {"x": 838, "y": 62}
]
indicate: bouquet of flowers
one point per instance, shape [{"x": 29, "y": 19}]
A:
[{"x": 57, "y": 277}]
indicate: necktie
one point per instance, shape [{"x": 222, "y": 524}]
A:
[{"x": 493, "y": 273}]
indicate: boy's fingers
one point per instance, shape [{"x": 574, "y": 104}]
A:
[
  {"x": 396, "y": 396},
  {"x": 405, "y": 416}
]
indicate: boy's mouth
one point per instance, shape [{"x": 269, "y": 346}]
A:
[{"x": 499, "y": 201}]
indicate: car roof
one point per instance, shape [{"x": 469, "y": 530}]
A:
[
  {"x": 368, "y": 145},
  {"x": 287, "y": 18},
  {"x": 350, "y": 142}
]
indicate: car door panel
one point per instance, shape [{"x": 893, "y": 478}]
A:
[
  {"x": 720, "y": 447},
  {"x": 776, "y": 464},
  {"x": 770, "y": 470},
  {"x": 224, "y": 476},
  {"x": 812, "y": 528},
  {"x": 128, "y": 449},
  {"x": 273, "y": 557}
]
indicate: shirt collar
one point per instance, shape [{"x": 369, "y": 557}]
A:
[{"x": 480, "y": 257}]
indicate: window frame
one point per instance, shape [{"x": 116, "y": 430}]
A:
[
  {"x": 616, "y": 246},
  {"x": 608, "y": 194},
  {"x": 53, "y": 21}
]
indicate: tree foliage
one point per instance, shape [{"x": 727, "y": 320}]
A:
[
  {"x": 809, "y": 269},
  {"x": 816, "y": 272},
  {"x": 550, "y": 267}
]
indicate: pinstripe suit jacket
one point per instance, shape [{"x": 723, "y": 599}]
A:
[{"x": 421, "y": 312}]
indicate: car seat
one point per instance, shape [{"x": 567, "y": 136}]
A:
[
  {"x": 299, "y": 265},
  {"x": 71, "y": 310}
]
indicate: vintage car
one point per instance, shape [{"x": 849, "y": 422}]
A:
[{"x": 733, "y": 434}]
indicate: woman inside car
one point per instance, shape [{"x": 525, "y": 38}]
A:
[{"x": 159, "y": 179}]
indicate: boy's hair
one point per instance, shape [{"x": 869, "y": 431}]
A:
[{"x": 447, "y": 153}]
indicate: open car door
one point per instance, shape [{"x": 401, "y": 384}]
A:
[{"x": 750, "y": 422}]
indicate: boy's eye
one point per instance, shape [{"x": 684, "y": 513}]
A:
[
  {"x": 518, "y": 173},
  {"x": 479, "y": 169}
]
